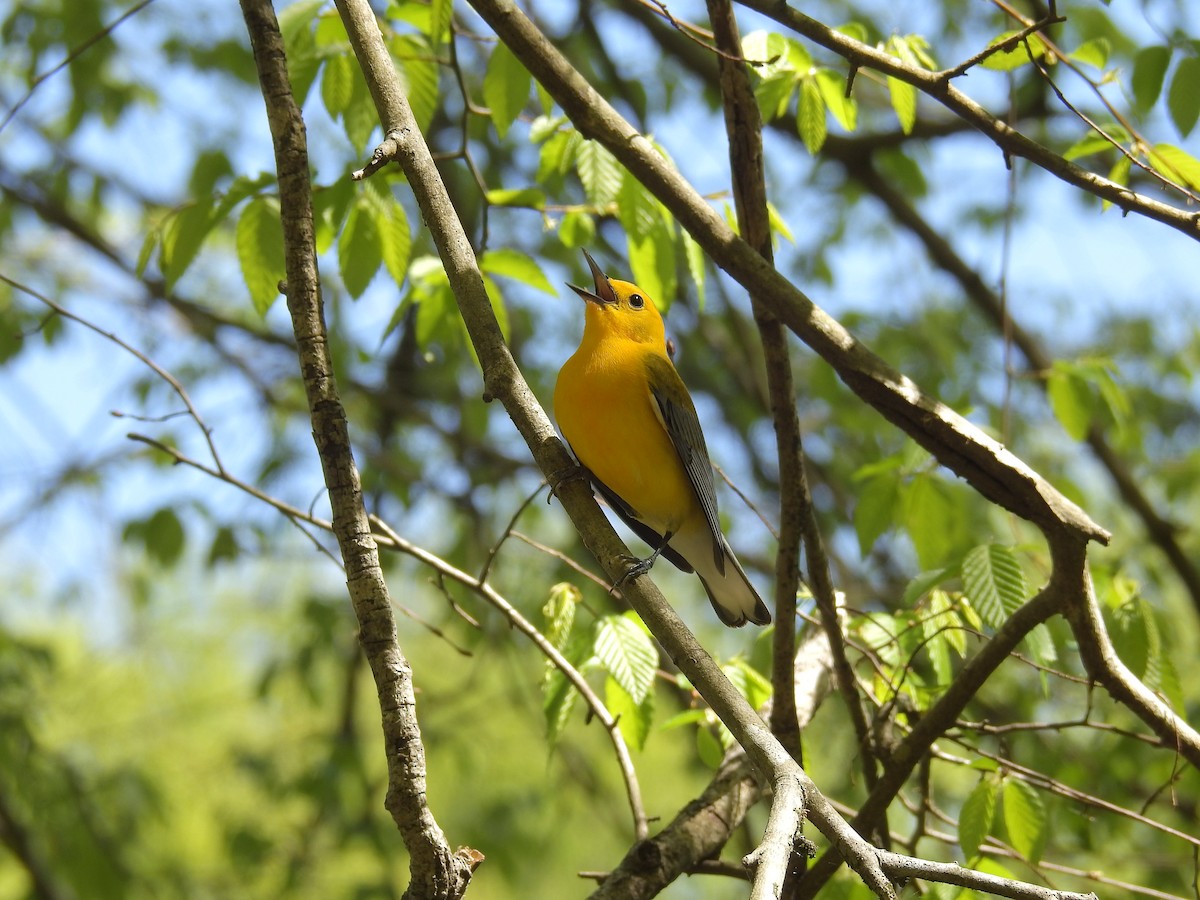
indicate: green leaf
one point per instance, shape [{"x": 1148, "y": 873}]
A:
[
  {"x": 600, "y": 173},
  {"x": 810, "y": 117},
  {"x": 637, "y": 209},
  {"x": 577, "y": 229},
  {"x": 395, "y": 239},
  {"x": 634, "y": 719},
  {"x": 1183, "y": 98},
  {"x": 750, "y": 683},
  {"x": 1118, "y": 174},
  {"x": 778, "y": 225},
  {"x": 559, "y": 611},
  {"x": 359, "y": 117},
  {"x": 162, "y": 535},
  {"x": 1093, "y": 53},
  {"x": 337, "y": 84},
  {"x": 904, "y": 102},
  {"x": 182, "y": 239},
  {"x": 1149, "y": 68},
  {"x": 1072, "y": 399},
  {"x": 627, "y": 654},
  {"x": 1091, "y": 143},
  {"x": 558, "y": 694},
  {"x": 774, "y": 94},
  {"x": 993, "y": 580},
  {"x": 652, "y": 264},
  {"x": 505, "y": 87},
  {"x": 833, "y": 91},
  {"x": 933, "y": 517},
  {"x": 1024, "y": 818},
  {"x": 942, "y": 629},
  {"x": 1178, "y": 165},
  {"x": 975, "y": 819},
  {"x": 876, "y": 509},
  {"x": 360, "y": 248},
  {"x": 1017, "y": 54},
  {"x": 514, "y": 264},
  {"x": 303, "y": 59},
  {"x": 527, "y": 198},
  {"x": 693, "y": 254},
  {"x": 709, "y": 748},
  {"x": 419, "y": 73},
  {"x": 259, "y": 240}
]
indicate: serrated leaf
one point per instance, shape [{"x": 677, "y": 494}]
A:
[
  {"x": 810, "y": 116},
  {"x": 774, "y": 94},
  {"x": 509, "y": 263},
  {"x": 993, "y": 580},
  {"x": 419, "y": 75},
  {"x": 149, "y": 245},
  {"x": 1118, "y": 174},
  {"x": 559, "y": 611},
  {"x": 259, "y": 241},
  {"x": 558, "y": 694},
  {"x": 1093, "y": 53},
  {"x": 1183, "y": 98},
  {"x": 975, "y": 818},
  {"x": 923, "y": 583},
  {"x": 505, "y": 87},
  {"x": 1024, "y": 818},
  {"x": 1149, "y": 68},
  {"x": 337, "y": 84},
  {"x": 652, "y": 264},
  {"x": 360, "y": 118},
  {"x": 833, "y": 91},
  {"x": 1176, "y": 164},
  {"x": 440, "y": 13},
  {"x": 360, "y": 251},
  {"x": 395, "y": 239},
  {"x": 634, "y": 719},
  {"x": 941, "y": 628},
  {"x": 1088, "y": 145},
  {"x": 636, "y": 207},
  {"x": 558, "y": 153},
  {"x": 300, "y": 47},
  {"x": 627, "y": 654},
  {"x": 599, "y": 171},
  {"x": 778, "y": 225},
  {"x": 904, "y": 102}
]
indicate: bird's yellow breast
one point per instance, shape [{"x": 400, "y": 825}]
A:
[{"x": 606, "y": 412}]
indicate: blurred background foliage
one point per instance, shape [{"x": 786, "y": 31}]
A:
[{"x": 184, "y": 710}]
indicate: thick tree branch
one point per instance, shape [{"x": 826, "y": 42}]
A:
[
  {"x": 1162, "y": 532},
  {"x": 436, "y": 872},
  {"x": 743, "y": 129},
  {"x": 939, "y": 86},
  {"x": 990, "y": 468}
]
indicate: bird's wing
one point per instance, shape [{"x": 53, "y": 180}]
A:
[
  {"x": 678, "y": 416},
  {"x": 636, "y": 525}
]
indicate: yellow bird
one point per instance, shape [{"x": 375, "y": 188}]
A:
[{"x": 630, "y": 421}]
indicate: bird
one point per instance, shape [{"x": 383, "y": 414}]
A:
[{"x": 630, "y": 422}]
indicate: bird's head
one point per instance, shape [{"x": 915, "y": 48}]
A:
[{"x": 620, "y": 309}]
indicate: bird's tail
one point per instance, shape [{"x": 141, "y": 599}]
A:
[{"x": 731, "y": 594}]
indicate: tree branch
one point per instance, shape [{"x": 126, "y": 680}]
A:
[
  {"x": 436, "y": 872},
  {"x": 938, "y": 86},
  {"x": 990, "y": 468}
]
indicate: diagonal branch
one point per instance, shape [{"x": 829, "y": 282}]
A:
[
  {"x": 436, "y": 872},
  {"x": 1162, "y": 532},
  {"x": 989, "y": 467},
  {"x": 1014, "y": 143}
]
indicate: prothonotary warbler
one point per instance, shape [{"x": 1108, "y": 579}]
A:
[{"x": 630, "y": 421}]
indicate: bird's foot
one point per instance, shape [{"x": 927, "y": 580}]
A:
[{"x": 640, "y": 567}]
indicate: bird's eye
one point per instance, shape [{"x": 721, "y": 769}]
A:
[{"x": 637, "y": 301}]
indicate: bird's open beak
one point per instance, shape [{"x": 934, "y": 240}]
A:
[{"x": 604, "y": 294}]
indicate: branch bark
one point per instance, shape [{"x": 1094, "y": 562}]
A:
[
  {"x": 983, "y": 462},
  {"x": 939, "y": 86},
  {"x": 436, "y": 872}
]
